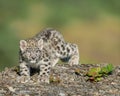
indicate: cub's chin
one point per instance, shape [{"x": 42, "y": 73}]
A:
[{"x": 32, "y": 62}]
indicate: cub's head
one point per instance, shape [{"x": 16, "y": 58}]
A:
[{"x": 30, "y": 50}]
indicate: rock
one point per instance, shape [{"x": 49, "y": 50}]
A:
[{"x": 65, "y": 81}]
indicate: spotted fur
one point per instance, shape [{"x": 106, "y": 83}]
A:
[{"x": 43, "y": 51}]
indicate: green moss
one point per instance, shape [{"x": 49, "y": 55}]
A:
[{"x": 96, "y": 74}]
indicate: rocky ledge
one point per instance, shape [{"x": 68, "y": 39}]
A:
[{"x": 64, "y": 81}]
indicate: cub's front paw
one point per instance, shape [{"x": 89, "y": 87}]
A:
[
  {"x": 43, "y": 79},
  {"x": 74, "y": 60}
]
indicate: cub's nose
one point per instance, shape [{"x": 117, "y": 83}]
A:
[{"x": 33, "y": 58}]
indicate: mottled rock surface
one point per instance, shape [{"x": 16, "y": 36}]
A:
[{"x": 64, "y": 82}]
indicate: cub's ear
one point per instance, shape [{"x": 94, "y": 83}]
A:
[
  {"x": 40, "y": 44},
  {"x": 23, "y": 45}
]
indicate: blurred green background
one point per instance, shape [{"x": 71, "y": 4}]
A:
[{"x": 92, "y": 24}]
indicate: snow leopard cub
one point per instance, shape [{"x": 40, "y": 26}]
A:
[{"x": 43, "y": 51}]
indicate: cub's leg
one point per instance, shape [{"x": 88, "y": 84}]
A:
[
  {"x": 24, "y": 69},
  {"x": 69, "y": 52},
  {"x": 44, "y": 73},
  {"x": 74, "y": 58},
  {"x": 24, "y": 73}
]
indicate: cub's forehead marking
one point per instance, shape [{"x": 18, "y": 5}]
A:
[{"x": 32, "y": 43}]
